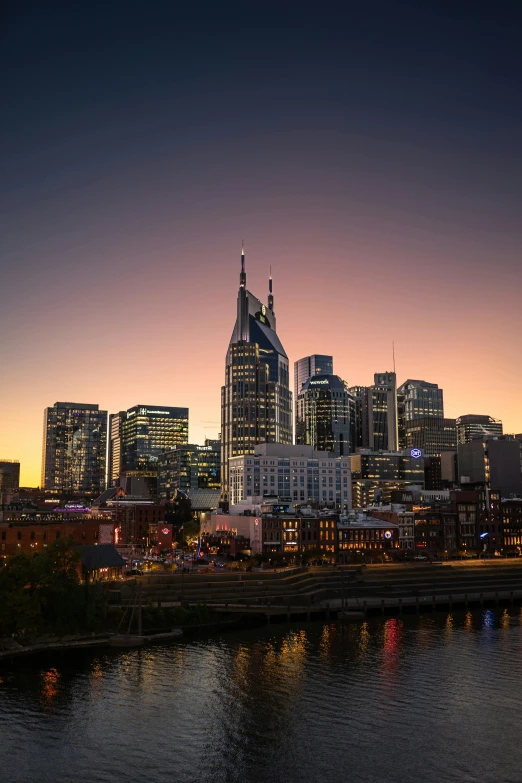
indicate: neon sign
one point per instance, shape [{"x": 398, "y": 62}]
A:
[
  {"x": 416, "y": 453},
  {"x": 387, "y": 534}
]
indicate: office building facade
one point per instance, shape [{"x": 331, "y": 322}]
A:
[
  {"x": 256, "y": 401},
  {"x": 189, "y": 467},
  {"x": 9, "y": 479},
  {"x": 324, "y": 411},
  {"x": 420, "y": 399},
  {"x": 431, "y": 434},
  {"x": 476, "y": 426},
  {"x": 140, "y": 435},
  {"x": 297, "y": 474},
  {"x": 382, "y": 412},
  {"x": 74, "y": 448},
  {"x": 376, "y": 474},
  {"x": 374, "y": 423},
  {"x": 305, "y": 368},
  {"x": 493, "y": 462}
]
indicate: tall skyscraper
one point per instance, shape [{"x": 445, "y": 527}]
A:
[
  {"x": 138, "y": 437},
  {"x": 421, "y": 399},
  {"x": 305, "y": 368},
  {"x": 324, "y": 410},
  {"x": 382, "y": 412},
  {"x": 256, "y": 401},
  {"x": 476, "y": 426},
  {"x": 374, "y": 424},
  {"x": 74, "y": 446},
  {"x": 115, "y": 447},
  {"x": 359, "y": 438}
]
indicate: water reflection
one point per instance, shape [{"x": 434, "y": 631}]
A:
[
  {"x": 309, "y": 703},
  {"x": 50, "y": 687}
]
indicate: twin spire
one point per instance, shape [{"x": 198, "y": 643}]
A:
[{"x": 242, "y": 278}]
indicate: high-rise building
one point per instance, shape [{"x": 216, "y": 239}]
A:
[
  {"x": 431, "y": 434},
  {"x": 493, "y": 461},
  {"x": 374, "y": 422},
  {"x": 115, "y": 447},
  {"x": 9, "y": 478},
  {"x": 138, "y": 437},
  {"x": 74, "y": 446},
  {"x": 420, "y": 400},
  {"x": 189, "y": 467},
  {"x": 324, "y": 408},
  {"x": 477, "y": 426},
  {"x": 305, "y": 368},
  {"x": 359, "y": 438},
  {"x": 382, "y": 412},
  {"x": 256, "y": 401}
]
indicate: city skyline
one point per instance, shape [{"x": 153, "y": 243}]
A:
[
  {"x": 30, "y": 463},
  {"x": 386, "y": 203}
]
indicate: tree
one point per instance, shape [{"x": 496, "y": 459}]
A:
[{"x": 42, "y": 592}]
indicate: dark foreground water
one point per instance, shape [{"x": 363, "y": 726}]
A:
[{"x": 433, "y": 699}]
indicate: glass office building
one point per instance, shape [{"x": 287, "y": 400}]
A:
[
  {"x": 477, "y": 426},
  {"x": 74, "y": 446},
  {"x": 324, "y": 408},
  {"x": 146, "y": 432},
  {"x": 305, "y": 368},
  {"x": 256, "y": 401},
  {"x": 420, "y": 399},
  {"x": 189, "y": 467},
  {"x": 432, "y": 435},
  {"x": 375, "y": 475}
]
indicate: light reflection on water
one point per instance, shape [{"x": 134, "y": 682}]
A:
[{"x": 399, "y": 700}]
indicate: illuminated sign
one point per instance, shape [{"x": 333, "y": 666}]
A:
[
  {"x": 146, "y": 412},
  {"x": 416, "y": 453},
  {"x": 483, "y": 535},
  {"x": 165, "y": 531},
  {"x": 316, "y": 382},
  {"x": 261, "y": 316},
  {"x": 387, "y": 534},
  {"x": 73, "y": 510}
]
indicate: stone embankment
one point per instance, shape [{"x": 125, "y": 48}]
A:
[{"x": 319, "y": 592}]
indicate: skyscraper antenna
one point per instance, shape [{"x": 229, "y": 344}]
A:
[{"x": 393, "y": 353}]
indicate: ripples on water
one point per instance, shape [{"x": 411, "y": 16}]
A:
[{"x": 431, "y": 698}]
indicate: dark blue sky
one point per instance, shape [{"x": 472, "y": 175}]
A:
[{"x": 369, "y": 151}]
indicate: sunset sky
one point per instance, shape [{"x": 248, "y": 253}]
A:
[{"x": 371, "y": 155}]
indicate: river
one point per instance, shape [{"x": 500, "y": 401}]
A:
[{"x": 434, "y": 698}]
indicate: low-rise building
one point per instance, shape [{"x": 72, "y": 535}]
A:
[
  {"x": 31, "y": 536},
  {"x": 512, "y": 525},
  {"x": 359, "y": 534},
  {"x": 405, "y": 521}
]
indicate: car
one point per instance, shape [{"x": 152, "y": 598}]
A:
[
  {"x": 420, "y": 557},
  {"x": 135, "y": 572}
]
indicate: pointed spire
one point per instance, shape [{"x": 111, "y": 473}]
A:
[
  {"x": 242, "y": 276},
  {"x": 270, "y": 294}
]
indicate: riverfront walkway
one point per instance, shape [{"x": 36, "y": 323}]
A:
[{"x": 321, "y": 591}]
